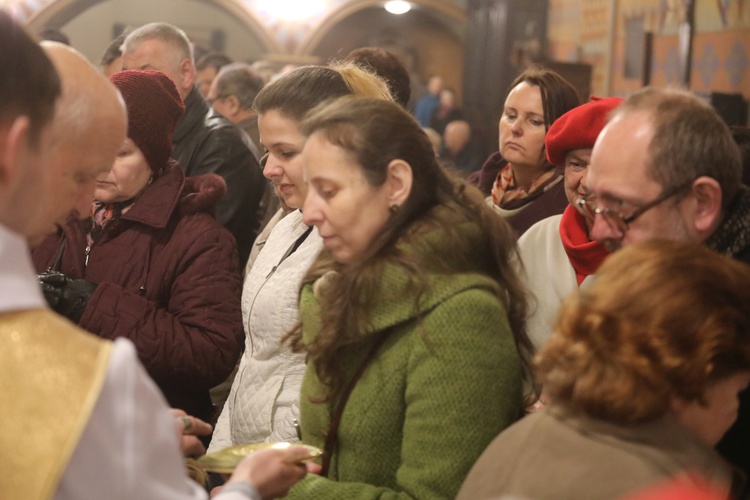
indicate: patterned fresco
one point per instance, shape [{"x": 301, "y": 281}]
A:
[
  {"x": 737, "y": 65},
  {"x": 581, "y": 30}
]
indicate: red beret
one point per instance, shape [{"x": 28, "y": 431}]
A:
[
  {"x": 154, "y": 109},
  {"x": 578, "y": 128}
]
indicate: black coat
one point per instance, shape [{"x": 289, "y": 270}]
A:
[
  {"x": 732, "y": 238},
  {"x": 206, "y": 142}
]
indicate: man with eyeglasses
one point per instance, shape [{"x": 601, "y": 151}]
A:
[
  {"x": 666, "y": 167},
  {"x": 232, "y": 94}
]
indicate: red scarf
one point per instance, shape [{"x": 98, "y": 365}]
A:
[{"x": 584, "y": 255}]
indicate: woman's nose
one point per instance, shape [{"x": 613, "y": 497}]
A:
[
  {"x": 311, "y": 214},
  {"x": 517, "y": 127},
  {"x": 271, "y": 168}
]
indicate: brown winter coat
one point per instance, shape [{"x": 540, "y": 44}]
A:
[
  {"x": 168, "y": 279},
  {"x": 555, "y": 454}
]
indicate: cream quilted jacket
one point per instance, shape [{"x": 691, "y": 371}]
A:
[{"x": 264, "y": 399}]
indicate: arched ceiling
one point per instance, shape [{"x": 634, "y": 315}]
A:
[
  {"x": 449, "y": 13},
  {"x": 276, "y": 36}
]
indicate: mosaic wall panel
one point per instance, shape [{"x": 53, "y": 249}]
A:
[{"x": 580, "y": 31}]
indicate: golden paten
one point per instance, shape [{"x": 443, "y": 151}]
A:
[{"x": 226, "y": 460}]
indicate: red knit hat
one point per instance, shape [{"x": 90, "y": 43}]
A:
[
  {"x": 154, "y": 108},
  {"x": 578, "y": 128}
]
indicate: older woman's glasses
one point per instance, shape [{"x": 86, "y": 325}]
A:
[{"x": 620, "y": 220}]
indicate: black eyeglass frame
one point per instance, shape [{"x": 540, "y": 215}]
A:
[{"x": 623, "y": 221}]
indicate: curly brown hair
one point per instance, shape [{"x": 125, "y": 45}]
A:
[{"x": 661, "y": 319}]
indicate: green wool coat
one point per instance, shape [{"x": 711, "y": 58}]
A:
[{"x": 436, "y": 394}]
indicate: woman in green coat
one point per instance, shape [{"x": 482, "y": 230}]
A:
[{"x": 411, "y": 318}]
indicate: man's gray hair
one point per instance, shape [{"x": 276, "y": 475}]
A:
[
  {"x": 239, "y": 80},
  {"x": 689, "y": 140},
  {"x": 164, "y": 32}
]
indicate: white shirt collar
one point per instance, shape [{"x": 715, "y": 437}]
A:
[{"x": 19, "y": 289}]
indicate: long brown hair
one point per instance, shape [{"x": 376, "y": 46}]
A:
[{"x": 375, "y": 132}]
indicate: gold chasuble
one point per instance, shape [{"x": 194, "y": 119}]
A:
[{"x": 51, "y": 373}]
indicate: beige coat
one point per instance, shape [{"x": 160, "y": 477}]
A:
[{"x": 555, "y": 455}]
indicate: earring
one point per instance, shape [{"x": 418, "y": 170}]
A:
[
  {"x": 394, "y": 208},
  {"x": 150, "y": 180}
]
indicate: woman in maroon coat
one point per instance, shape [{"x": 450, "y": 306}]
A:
[{"x": 150, "y": 262}]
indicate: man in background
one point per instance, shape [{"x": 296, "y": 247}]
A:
[
  {"x": 427, "y": 105},
  {"x": 666, "y": 167},
  {"x": 232, "y": 94},
  {"x": 207, "y": 67},
  {"x": 204, "y": 141},
  {"x": 460, "y": 150},
  {"x": 111, "y": 61}
]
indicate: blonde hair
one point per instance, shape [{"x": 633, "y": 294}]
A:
[{"x": 363, "y": 82}]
